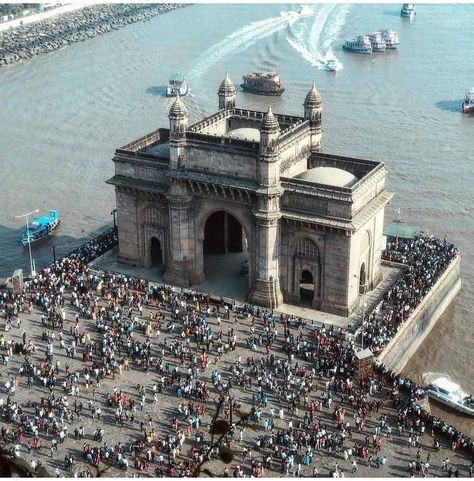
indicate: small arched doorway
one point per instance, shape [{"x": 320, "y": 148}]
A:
[
  {"x": 156, "y": 254},
  {"x": 362, "y": 280},
  {"x": 306, "y": 288}
]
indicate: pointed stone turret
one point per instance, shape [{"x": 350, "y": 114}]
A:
[
  {"x": 178, "y": 116},
  {"x": 227, "y": 93},
  {"x": 313, "y": 105},
  {"x": 269, "y": 123}
]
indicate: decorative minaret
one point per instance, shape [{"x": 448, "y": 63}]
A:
[
  {"x": 179, "y": 266},
  {"x": 266, "y": 289},
  {"x": 178, "y": 116},
  {"x": 227, "y": 94},
  {"x": 313, "y": 107}
]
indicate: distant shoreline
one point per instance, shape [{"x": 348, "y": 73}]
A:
[{"x": 74, "y": 23}]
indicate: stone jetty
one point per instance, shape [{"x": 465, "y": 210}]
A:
[{"x": 26, "y": 41}]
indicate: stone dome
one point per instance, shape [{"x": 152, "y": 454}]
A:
[
  {"x": 313, "y": 99},
  {"x": 245, "y": 133},
  {"x": 178, "y": 109},
  {"x": 227, "y": 87},
  {"x": 269, "y": 123},
  {"x": 331, "y": 176}
]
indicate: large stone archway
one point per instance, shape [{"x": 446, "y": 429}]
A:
[{"x": 225, "y": 238}]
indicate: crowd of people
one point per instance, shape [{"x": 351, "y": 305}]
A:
[
  {"x": 294, "y": 382},
  {"x": 426, "y": 258}
]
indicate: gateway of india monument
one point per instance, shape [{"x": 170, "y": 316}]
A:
[{"x": 243, "y": 180}]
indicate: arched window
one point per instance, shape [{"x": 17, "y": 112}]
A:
[
  {"x": 152, "y": 216},
  {"x": 307, "y": 249},
  {"x": 365, "y": 241}
]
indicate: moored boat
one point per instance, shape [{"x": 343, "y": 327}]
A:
[
  {"x": 41, "y": 227},
  {"x": 449, "y": 393},
  {"x": 391, "y": 39},
  {"x": 177, "y": 86},
  {"x": 468, "y": 103},
  {"x": 377, "y": 42},
  {"x": 408, "y": 10},
  {"x": 262, "y": 83},
  {"x": 360, "y": 44}
]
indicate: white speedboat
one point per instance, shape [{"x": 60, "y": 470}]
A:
[
  {"x": 448, "y": 392},
  {"x": 333, "y": 65}
]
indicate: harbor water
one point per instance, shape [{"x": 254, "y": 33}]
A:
[{"x": 63, "y": 114}]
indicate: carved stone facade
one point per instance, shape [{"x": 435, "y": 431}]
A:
[{"x": 240, "y": 179}]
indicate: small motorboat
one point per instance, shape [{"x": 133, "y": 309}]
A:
[
  {"x": 408, "y": 10},
  {"x": 41, "y": 227},
  {"x": 177, "y": 86},
  {"x": 449, "y": 393},
  {"x": 333, "y": 65}
]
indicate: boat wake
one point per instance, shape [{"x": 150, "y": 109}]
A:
[
  {"x": 429, "y": 377},
  {"x": 245, "y": 37},
  {"x": 314, "y": 43}
]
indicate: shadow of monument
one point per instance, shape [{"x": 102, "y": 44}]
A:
[
  {"x": 449, "y": 105},
  {"x": 156, "y": 90}
]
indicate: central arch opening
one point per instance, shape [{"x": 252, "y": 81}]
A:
[
  {"x": 226, "y": 259},
  {"x": 156, "y": 253},
  {"x": 306, "y": 288}
]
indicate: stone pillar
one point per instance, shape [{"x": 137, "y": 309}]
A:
[
  {"x": 266, "y": 290},
  {"x": 180, "y": 267}
]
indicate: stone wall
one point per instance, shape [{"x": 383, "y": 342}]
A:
[
  {"x": 413, "y": 332},
  {"x": 27, "y": 41}
]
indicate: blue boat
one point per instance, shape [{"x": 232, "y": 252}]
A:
[{"x": 41, "y": 227}]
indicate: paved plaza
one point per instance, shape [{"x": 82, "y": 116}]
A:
[{"x": 157, "y": 417}]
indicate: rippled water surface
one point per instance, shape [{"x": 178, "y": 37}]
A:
[{"x": 63, "y": 114}]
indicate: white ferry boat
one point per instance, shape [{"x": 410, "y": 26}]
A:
[
  {"x": 468, "y": 104},
  {"x": 360, "y": 44},
  {"x": 449, "y": 393},
  {"x": 408, "y": 10},
  {"x": 377, "y": 42},
  {"x": 391, "y": 39},
  {"x": 177, "y": 86},
  {"x": 333, "y": 65}
]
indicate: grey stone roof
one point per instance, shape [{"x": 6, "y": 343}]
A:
[
  {"x": 269, "y": 123},
  {"x": 313, "y": 99},
  {"x": 227, "y": 87},
  {"x": 178, "y": 110}
]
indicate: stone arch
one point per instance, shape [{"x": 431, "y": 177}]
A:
[
  {"x": 152, "y": 219},
  {"x": 156, "y": 252},
  {"x": 365, "y": 256},
  {"x": 306, "y": 286},
  {"x": 242, "y": 215},
  {"x": 306, "y": 259}
]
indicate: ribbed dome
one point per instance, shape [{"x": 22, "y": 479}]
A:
[
  {"x": 227, "y": 86},
  {"x": 313, "y": 99},
  {"x": 178, "y": 109},
  {"x": 269, "y": 123}
]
